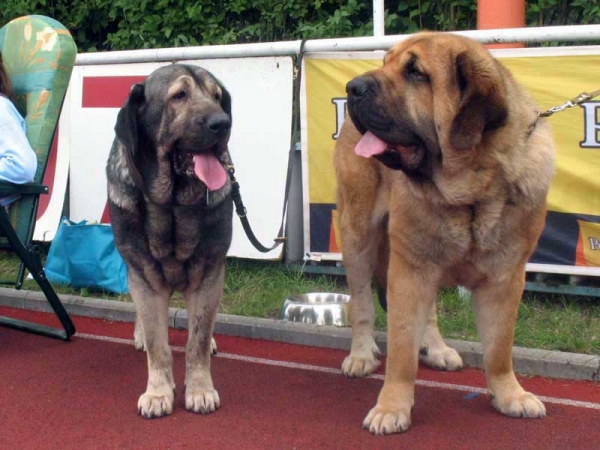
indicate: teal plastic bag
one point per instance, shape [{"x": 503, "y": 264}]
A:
[{"x": 83, "y": 255}]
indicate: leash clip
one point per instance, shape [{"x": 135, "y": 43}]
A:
[{"x": 230, "y": 170}]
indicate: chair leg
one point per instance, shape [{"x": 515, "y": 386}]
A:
[
  {"x": 20, "y": 276},
  {"x": 32, "y": 261},
  {"x": 40, "y": 277}
]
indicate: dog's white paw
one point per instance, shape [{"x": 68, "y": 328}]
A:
[
  {"x": 151, "y": 406},
  {"x": 386, "y": 420},
  {"x": 363, "y": 359},
  {"x": 213, "y": 346},
  {"x": 202, "y": 401},
  {"x": 359, "y": 365},
  {"x": 525, "y": 405},
  {"x": 445, "y": 358},
  {"x": 362, "y": 362}
]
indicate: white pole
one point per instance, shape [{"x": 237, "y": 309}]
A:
[
  {"x": 565, "y": 270},
  {"x": 568, "y": 33},
  {"x": 378, "y": 18}
]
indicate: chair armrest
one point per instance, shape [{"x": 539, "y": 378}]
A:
[{"x": 7, "y": 188}]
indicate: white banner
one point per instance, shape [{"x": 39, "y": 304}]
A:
[{"x": 261, "y": 91}]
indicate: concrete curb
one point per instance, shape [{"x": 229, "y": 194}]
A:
[{"x": 544, "y": 363}]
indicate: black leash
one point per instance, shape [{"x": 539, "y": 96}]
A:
[{"x": 240, "y": 209}]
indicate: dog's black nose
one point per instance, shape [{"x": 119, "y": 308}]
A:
[
  {"x": 218, "y": 123},
  {"x": 358, "y": 86}
]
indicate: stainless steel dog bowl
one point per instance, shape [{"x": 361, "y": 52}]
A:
[{"x": 317, "y": 308}]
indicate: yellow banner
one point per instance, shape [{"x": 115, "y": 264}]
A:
[
  {"x": 588, "y": 247},
  {"x": 326, "y": 107},
  {"x": 551, "y": 79}
]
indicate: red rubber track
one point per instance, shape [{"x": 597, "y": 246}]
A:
[{"x": 83, "y": 395}]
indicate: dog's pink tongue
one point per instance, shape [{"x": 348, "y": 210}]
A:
[
  {"x": 208, "y": 168},
  {"x": 370, "y": 145}
]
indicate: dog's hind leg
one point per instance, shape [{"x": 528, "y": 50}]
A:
[
  {"x": 200, "y": 394},
  {"x": 153, "y": 316},
  {"x": 433, "y": 350}
]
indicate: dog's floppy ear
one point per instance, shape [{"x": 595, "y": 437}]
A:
[
  {"x": 482, "y": 105},
  {"x": 225, "y": 99},
  {"x": 126, "y": 130}
]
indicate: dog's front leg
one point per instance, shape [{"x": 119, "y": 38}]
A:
[
  {"x": 153, "y": 315},
  {"x": 496, "y": 307},
  {"x": 360, "y": 239},
  {"x": 202, "y": 304},
  {"x": 411, "y": 294}
]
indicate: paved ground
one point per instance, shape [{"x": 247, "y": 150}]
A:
[
  {"x": 545, "y": 363},
  {"x": 82, "y": 394}
]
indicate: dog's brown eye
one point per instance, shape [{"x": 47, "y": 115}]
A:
[
  {"x": 181, "y": 95},
  {"x": 415, "y": 74},
  {"x": 218, "y": 96}
]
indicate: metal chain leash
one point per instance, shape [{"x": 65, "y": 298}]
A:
[{"x": 576, "y": 101}]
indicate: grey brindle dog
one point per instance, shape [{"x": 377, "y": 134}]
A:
[{"x": 171, "y": 212}]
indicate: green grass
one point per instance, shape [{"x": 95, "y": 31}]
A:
[
  {"x": 258, "y": 289},
  {"x": 551, "y": 322}
]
